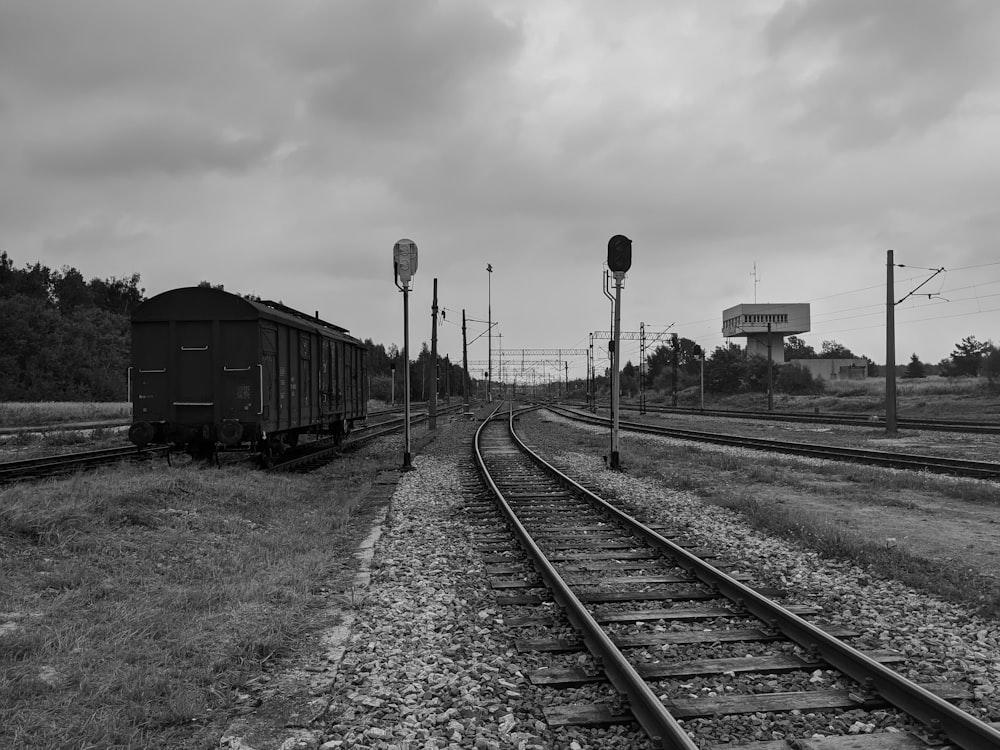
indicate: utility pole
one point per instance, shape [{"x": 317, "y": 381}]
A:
[
  {"x": 591, "y": 396},
  {"x": 432, "y": 406},
  {"x": 890, "y": 347},
  {"x": 465, "y": 365},
  {"x": 489, "y": 330},
  {"x": 642, "y": 367},
  {"x": 890, "y": 335},
  {"x": 500, "y": 364},
  {"x": 700, "y": 354},
  {"x": 673, "y": 369},
  {"x": 770, "y": 371}
]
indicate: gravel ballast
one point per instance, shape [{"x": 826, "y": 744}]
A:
[{"x": 432, "y": 664}]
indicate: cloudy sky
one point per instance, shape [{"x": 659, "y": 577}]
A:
[{"x": 282, "y": 148}]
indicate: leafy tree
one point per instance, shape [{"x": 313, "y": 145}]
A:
[
  {"x": 729, "y": 370},
  {"x": 991, "y": 366},
  {"x": 662, "y": 358},
  {"x": 379, "y": 361},
  {"x": 48, "y": 356},
  {"x": 61, "y": 340},
  {"x": 117, "y": 295},
  {"x": 945, "y": 368},
  {"x": 968, "y": 356},
  {"x": 31, "y": 281},
  {"x": 796, "y": 348},
  {"x": 797, "y": 380},
  {"x": 629, "y": 382},
  {"x": 833, "y": 350},
  {"x": 915, "y": 369},
  {"x": 71, "y": 291}
]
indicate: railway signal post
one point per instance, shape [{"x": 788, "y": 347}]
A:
[
  {"x": 404, "y": 265},
  {"x": 619, "y": 261}
]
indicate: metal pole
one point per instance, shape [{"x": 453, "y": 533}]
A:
[
  {"x": 500, "y": 363},
  {"x": 770, "y": 372},
  {"x": 432, "y": 406},
  {"x": 489, "y": 332},
  {"x": 703, "y": 381},
  {"x": 591, "y": 396},
  {"x": 407, "y": 459},
  {"x": 614, "y": 460},
  {"x": 642, "y": 368},
  {"x": 465, "y": 365},
  {"x": 673, "y": 371},
  {"x": 890, "y": 347}
]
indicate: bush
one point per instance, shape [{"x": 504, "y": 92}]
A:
[{"x": 797, "y": 381}]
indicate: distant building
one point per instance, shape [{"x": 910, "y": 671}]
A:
[
  {"x": 766, "y": 325},
  {"x": 834, "y": 369}
]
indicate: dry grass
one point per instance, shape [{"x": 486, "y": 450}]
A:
[
  {"x": 41, "y": 413},
  {"x": 138, "y": 600},
  {"x": 931, "y": 397}
]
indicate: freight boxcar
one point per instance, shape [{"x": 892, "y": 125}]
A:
[{"x": 210, "y": 369}]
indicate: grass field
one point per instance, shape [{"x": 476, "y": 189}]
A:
[
  {"x": 931, "y": 397},
  {"x": 138, "y": 600},
  {"x": 42, "y": 413}
]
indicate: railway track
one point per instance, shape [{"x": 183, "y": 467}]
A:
[
  {"x": 309, "y": 456},
  {"x": 318, "y": 453},
  {"x": 43, "y": 466},
  {"x": 629, "y": 591},
  {"x": 910, "y": 462},
  {"x": 857, "y": 420}
]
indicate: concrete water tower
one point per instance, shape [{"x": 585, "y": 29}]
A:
[{"x": 764, "y": 324}]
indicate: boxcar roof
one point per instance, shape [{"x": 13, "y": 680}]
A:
[{"x": 206, "y": 303}]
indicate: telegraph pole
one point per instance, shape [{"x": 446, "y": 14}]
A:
[
  {"x": 642, "y": 367},
  {"x": 465, "y": 365},
  {"x": 890, "y": 347},
  {"x": 770, "y": 371},
  {"x": 890, "y": 335},
  {"x": 674, "y": 344},
  {"x": 432, "y": 405},
  {"x": 489, "y": 330},
  {"x": 591, "y": 396}
]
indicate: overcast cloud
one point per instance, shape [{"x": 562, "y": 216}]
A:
[{"x": 282, "y": 148}]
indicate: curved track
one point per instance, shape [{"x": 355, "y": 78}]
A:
[
  {"x": 911, "y": 462},
  {"x": 566, "y": 529}
]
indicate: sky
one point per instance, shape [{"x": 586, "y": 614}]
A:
[{"x": 761, "y": 150}]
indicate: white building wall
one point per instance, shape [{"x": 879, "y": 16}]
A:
[{"x": 834, "y": 369}]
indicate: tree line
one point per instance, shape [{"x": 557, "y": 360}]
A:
[
  {"x": 680, "y": 363},
  {"x": 64, "y": 338}
]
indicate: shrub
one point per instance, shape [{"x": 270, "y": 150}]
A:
[{"x": 797, "y": 381}]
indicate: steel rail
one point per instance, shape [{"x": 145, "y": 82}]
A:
[
  {"x": 853, "y": 420},
  {"x": 47, "y": 465},
  {"x": 912, "y": 462},
  {"x": 357, "y": 438},
  {"x": 647, "y": 708},
  {"x": 959, "y": 727}
]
